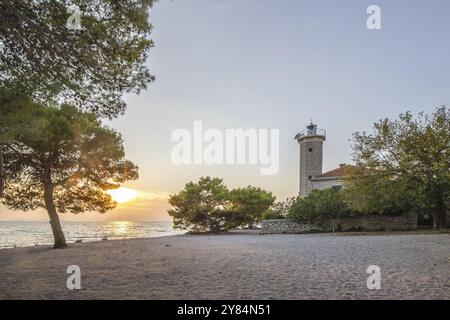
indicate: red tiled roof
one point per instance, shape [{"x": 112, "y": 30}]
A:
[{"x": 342, "y": 171}]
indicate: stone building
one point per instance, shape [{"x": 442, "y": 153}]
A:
[
  {"x": 311, "y": 160},
  {"x": 333, "y": 179},
  {"x": 311, "y": 178}
]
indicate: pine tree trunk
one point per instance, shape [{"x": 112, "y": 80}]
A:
[
  {"x": 444, "y": 219},
  {"x": 436, "y": 220},
  {"x": 58, "y": 235},
  {"x": 2, "y": 174},
  {"x": 442, "y": 209}
]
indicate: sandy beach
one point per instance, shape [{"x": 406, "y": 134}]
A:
[{"x": 241, "y": 265}]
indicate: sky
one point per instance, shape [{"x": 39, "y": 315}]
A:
[{"x": 274, "y": 64}]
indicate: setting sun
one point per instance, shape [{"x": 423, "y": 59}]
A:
[{"x": 122, "y": 195}]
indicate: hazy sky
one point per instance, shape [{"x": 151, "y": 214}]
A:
[{"x": 275, "y": 64}]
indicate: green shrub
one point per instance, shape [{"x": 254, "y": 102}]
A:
[
  {"x": 318, "y": 206},
  {"x": 377, "y": 194},
  {"x": 272, "y": 215},
  {"x": 279, "y": 210},
  {"x": 209, "y": 206},
  {"x": 248, "y": 204}
]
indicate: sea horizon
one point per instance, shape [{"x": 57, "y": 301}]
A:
[{"x": 22, "y": 233}]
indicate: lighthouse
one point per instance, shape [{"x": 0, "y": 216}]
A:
[{"x": 311, "y": 156}]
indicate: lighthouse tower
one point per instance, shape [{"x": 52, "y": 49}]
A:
[{"x": 311, "y": 155}]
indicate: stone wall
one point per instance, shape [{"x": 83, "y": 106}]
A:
[
  {"x": 285, "y": 226},
  {"x": 365, "y": 223},
  {"x": 374, "y": 223}
]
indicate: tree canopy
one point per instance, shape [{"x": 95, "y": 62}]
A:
[
  {"x": 378, "y": 194},
  {"x": 249, "y": 204},
  {"x": 201, "y": 206},
  {"x": 406, "y": 163},
  {"x": 209, "y": 206},
  {"x": 63, "y": 160},
  {"x": 91, "y": 68}
]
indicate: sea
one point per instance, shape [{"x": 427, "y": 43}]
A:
[{"x": 24, "y": 233}]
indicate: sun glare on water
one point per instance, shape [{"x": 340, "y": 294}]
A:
[{"x": 122, "y": 195}]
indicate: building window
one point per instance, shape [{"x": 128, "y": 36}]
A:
[
  {"x": 310, "y": 150},
  {"x": 309, "y": 177},
  {"x": 336, "y": 187}
]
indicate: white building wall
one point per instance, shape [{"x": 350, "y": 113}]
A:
[{"x": 326, "y": 184}]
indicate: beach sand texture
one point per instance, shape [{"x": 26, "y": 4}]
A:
[{"x": 241, "y": 265}]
